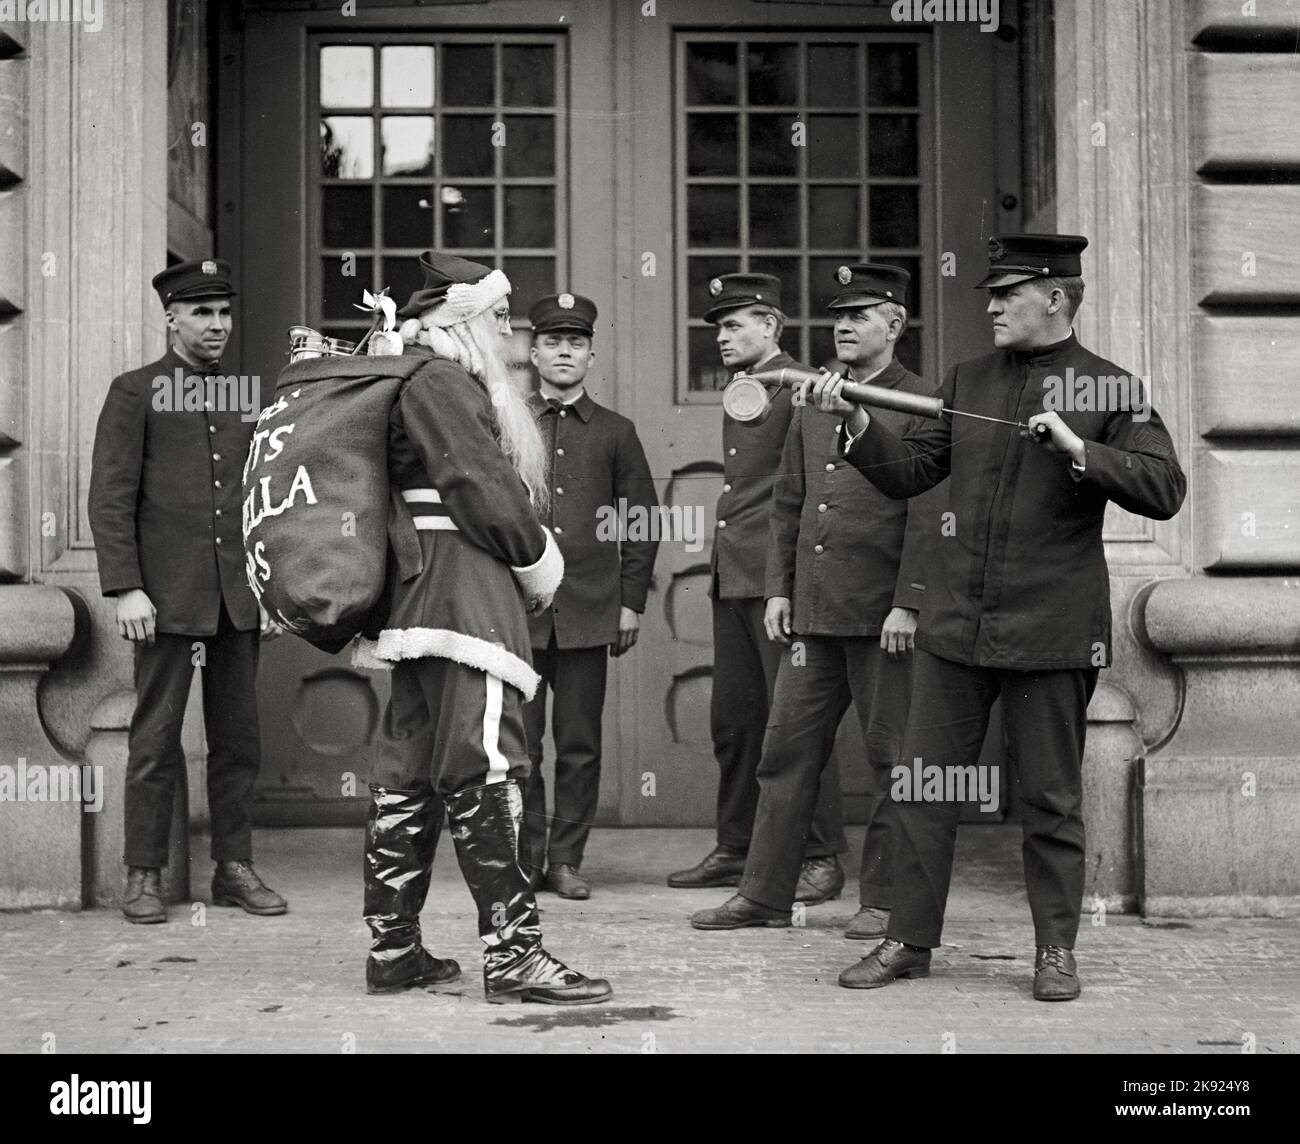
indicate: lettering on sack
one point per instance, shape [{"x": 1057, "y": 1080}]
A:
[{"x": 261, "y": 503}]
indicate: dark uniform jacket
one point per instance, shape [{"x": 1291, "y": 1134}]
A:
[
  {"x": 165, "y": 500},
  {"x": 483, "y": 551},
  {"x": 598, "y": 476},
  {"x": 841, "y": 550},
  {"x": 1023, "y": 582},
  {"x": 751, "y": 455}
]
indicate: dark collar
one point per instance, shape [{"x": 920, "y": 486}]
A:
[
  {"x": 887, "y": 378},
  {"x": 1046, "y": 355},
  {"x": 171, "y": 361},
  {"x": 584, "y": 407}
]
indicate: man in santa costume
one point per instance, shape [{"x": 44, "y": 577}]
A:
[{"x": 466, "y": 455}]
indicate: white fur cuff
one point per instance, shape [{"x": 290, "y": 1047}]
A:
[
  {"x": 541, "y": 579},
  {"x": 365, "y": 655},
  {"x": 465, "y": 299},
  {"x": 439, "y": 643}
]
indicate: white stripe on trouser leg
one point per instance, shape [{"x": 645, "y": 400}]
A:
[{"x": 498, "y": 764}]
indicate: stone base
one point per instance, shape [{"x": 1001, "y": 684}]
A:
[{"x": 1219, "y": 837}]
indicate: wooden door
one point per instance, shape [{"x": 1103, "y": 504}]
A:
[{"x": 627, "y": 157}]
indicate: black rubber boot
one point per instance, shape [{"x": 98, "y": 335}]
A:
[
  {"x": 485, "y": 828},
  {"x": 401, "y": 838}
]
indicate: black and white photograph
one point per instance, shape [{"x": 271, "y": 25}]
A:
[{"x": 659, "y": 527}]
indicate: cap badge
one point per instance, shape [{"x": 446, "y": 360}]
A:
[
  {"x": 996, "y": 250},
  {"x": 565, "y": 301},
  {"x": 715, "y": 287},
  {"x": 844, "y": 275},
  {"x": 208, "y": 267}
]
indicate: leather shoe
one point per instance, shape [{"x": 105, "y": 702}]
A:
[
  {"x": 738, "y": 912},
  {"x": 415, "y": 968},
  {"x": 237, "y": 884},
  {"x": 889, "y": 961},
  {"x": 723, "y": 866},
  {"x": 820, "y": 880},
  {"x": 142, "y": 901},
  {"x": 868, "y": 922},
  {"x": 1056, "y": 977},
  {"x": 567, "y": 882}
]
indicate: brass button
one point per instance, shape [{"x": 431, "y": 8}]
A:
[
  {"x": 559, "y": 531},
  {"x": 726, "y": 488},
  {"x": 218, "y": 540},
  {"x": 218, "y": 512},
  {"x": 818, "y": 549},
  {"x": 212, "y": 428},
  {"x": 732, "y": 451},
  {"x": 559, "y": 452},
  {"x": 722, "y": 524},
  {"x": 830, "y": 468},
  {"x": 559, "y": 492},
  {"x": 821, "y": 508},
  {"x": 216, "y": 484},
  {"x": 216, "y": 456}
]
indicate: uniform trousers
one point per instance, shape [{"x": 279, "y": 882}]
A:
[
  {"x": 745, "y": 665},
  {"x": 1045, "y": 717},
  {"x": 819, "y": 677},
  {"x": 575, "y": 678},
  {"x": 448, "y": 726},
  {"x": 155, "y": 758}
]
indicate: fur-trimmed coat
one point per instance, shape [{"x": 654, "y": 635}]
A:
[{"x": 484, "y": 552}]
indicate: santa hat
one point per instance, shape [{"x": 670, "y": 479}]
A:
[{"x": 455, "y": 289}]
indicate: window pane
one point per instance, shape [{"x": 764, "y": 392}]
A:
[
  {"x": 833, "y": 148},
  {"x": 788, "y": 270},
  {"x": 467, "y": 75},
  {"x": 711, "y": 145},
  {"x": 913, "y": 267},
  {"x": 530, "y": 216},
  {"x": 909, "y": 350},
  {"x": 530, "y": 279},
  {"x": 528, "y": 75},
  {"x": 771, "y": 145},
  {"x": 892, "y": 144},
  {"x": 773, "y": 215},
  {"x": 468, "y": 216},
  {"x": 406, "y": 144},
  {"x": 895, "y": 216},
  {"x": 773, "y": 71},
  {"x": 706, "y": 370},
  {"x": 406, "y": 221},
  {"x": 466, "y": 147},
  {"x": 822, "y": 281},
  {"x": 699, "y": 273},
  {"x": 891, "y": 75},
  {"x": 710, "y": 73},
  {"x": 347, "y": 147},
  {"x": 406, "y": 76},
  {"x": 833, "y": 217},
  {"x": 346, "y": 76},
  {"x": 339, "y": 291},
  {"x": 402, "y": 276},
  {"x": 713, "y": 216},
  {"x": 347, "y": 216},
  {"x": 833, "y": 75},
  {"x": 530, "y": 145},
  {"x": 821, "y": 343}
]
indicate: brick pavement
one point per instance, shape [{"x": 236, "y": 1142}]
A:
[{"x": 239, "y": 983}]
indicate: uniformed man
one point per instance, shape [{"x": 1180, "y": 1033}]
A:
[
  {"x": 1019, "y": 606},
  {"x": 165, "y": 513},
  {"x": 846, "y": 569},
  {"x": 597, "y": 475},
  {"x": 746, "y": 308}
]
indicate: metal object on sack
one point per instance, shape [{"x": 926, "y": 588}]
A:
[{"x": 306, "y": 343}]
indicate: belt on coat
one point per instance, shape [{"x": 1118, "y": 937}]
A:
[{"x": 428, "y": 513}]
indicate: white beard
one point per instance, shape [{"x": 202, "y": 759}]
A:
[{"x": 478, "y": 347}]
